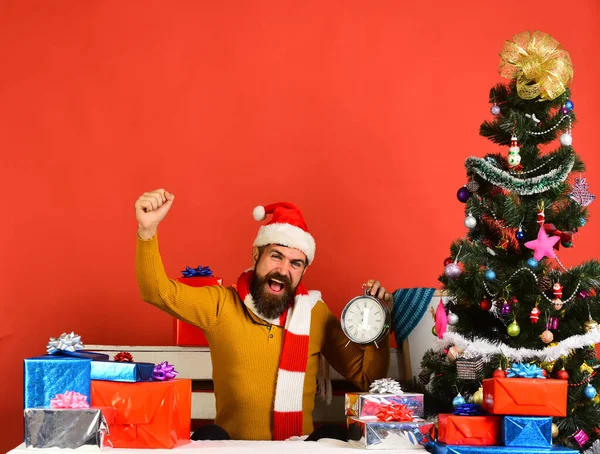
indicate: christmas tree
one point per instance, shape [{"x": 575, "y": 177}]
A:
[{"x": 512, "y": 305}]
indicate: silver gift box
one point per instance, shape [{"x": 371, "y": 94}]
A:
[
  {"x": 64, "y": 427},
  {"x": 370, "y": 433}
]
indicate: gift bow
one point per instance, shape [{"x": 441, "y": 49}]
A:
[
  {"x": 394, "y": 412},
  {"x": 65, "y": 342},
  {"x": 565, "y": 237},
  {"x": 199, "y": 271},
  {"x": 468, "y": 410},
  {"x": 70, "y": 399},
  {"x": 123, "y": 357},
  {"x": 385, "y": 386},
  {"x": 164, "y": 371},
  {"x": 525, "y": 371},
  {"x": 539, "y": 65}
]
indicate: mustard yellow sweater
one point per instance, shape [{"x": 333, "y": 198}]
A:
[{"x": 245, "y": 350}]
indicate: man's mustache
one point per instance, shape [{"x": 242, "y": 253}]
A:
[{"x": 279, "y": 277}]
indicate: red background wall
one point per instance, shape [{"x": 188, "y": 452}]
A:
[{"x": 362, "y": 113}]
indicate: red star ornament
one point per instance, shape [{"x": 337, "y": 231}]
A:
[{"x": 543, "y": 246}]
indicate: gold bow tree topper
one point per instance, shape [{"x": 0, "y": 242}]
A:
[{"x": 539, "y": 65}]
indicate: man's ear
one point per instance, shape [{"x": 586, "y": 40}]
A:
[{"x": 254, "y": 255}]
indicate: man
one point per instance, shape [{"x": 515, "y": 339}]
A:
[{"x": 267, "y": 334}]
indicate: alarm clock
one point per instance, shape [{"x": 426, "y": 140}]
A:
[{"x": 366, "y": 320}]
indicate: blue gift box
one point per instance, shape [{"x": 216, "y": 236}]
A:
[
  {"x": 49, "y": 375},
  {"x": 122, "y": 371},
  {"x": 464, "y": 449},
  {"x": 527, "y": 431}
]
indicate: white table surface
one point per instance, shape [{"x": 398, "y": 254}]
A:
[{"x": 231, "y": 447}]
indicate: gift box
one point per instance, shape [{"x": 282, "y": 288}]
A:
[
  {"x": 527, "y": 431},
  {"x": 506, "y": 450},
  {"x": 525, "y": 396},
  {"x": 469, "y": 430},
  {"x": 369, "y": 404},
  {"x": 371, "y": 433},
  {"x": 185, "y": 334},
  {"x": 469, "y": 368},
  {"x": 121, "y": 371},
  {"x": 153, "y": 414},
  {"x": 66, "y": 427},
  {"x": 49, "y": 375}
]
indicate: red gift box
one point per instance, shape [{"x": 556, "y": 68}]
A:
[
  {"x": 185, "y": 334},
  {"x": 147, "y": 414},
  {"x": 525, "y": 396},
  {"x": 469, "y": 430}
]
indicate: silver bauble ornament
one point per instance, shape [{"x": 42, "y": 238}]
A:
[
  {"x": 452, "y": 318},
  {"x": 566, "y": 140},
  {"x": 470, "y": 221},
  {"x": 452, "y": 270}
]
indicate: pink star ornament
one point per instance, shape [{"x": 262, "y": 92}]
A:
[{"x": 543, "y": 246}]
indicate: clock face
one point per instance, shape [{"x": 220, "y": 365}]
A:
[{"x": 365, "y": 319}]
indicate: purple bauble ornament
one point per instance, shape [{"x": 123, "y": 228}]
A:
[
  {"x": 452, "y": 270},
  {"x": 495, "y": 109},
  {"x": 564, "y": 110},
  {"x": 505, "y": 309},
  {"x": 463, "y": 194}
]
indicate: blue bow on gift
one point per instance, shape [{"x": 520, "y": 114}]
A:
[
  {"x": 525, "y": 371},
  {"x": 200, "y": 271},
  {"x": 468, "y": 410}
]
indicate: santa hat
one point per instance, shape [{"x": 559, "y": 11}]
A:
[{"x": 287, "y": 228}]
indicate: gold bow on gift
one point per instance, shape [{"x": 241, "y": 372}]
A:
[{"x": 538, "y": 63}]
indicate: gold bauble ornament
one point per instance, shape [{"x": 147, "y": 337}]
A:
[
  {"x": 554, "y": 430},
  {"x": 453, "y": 353},
  {"x": 547, "y": 337},
  {"x": 590, "y": 325},
  {"x": 477, "y": 397}
]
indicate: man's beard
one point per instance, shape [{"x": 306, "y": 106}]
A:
[{"x": 268, "y": 305}]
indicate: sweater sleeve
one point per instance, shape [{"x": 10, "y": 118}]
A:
[
  {"x": 359, "y": 365},
  {"x": 199, "y": 306}
]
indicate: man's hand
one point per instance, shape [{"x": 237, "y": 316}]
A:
[
  {"x": 150, "y": 210},
  {"x": 374, "y": 288}
]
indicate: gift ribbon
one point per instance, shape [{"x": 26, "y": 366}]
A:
[
  {"x": 525, "y": 371},
  {"x": 394, "y": 412},
  {"x": 164, "y": 371},
  {"x": 468, "y": 410},
  {"x": 70, "y": 399},
  {"x": 565, "y": 237},
  {"x": 65, "y": 342},
  {"x": 123, "y": 357},
  {"x": 385, "y": 386},
  {"x": 199, "y": 271}
]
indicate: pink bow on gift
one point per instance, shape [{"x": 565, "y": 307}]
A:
[
  {"x": 70, "y": 399},
  {"x": 395, "y": 412}
]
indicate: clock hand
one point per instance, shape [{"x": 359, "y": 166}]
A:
[{"x": 365, "y": 322}]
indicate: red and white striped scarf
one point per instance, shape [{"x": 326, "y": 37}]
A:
[{"x": 295, "y": 320}]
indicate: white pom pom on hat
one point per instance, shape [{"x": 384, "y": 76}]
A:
[
  {"x": 258, "y": 213},
  {"x": 287, "y": 227}
]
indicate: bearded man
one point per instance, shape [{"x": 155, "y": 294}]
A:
[{"x": 268, "y": 333}]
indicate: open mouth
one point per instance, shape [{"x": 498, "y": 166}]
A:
[{"x": 275, "y": 286}]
